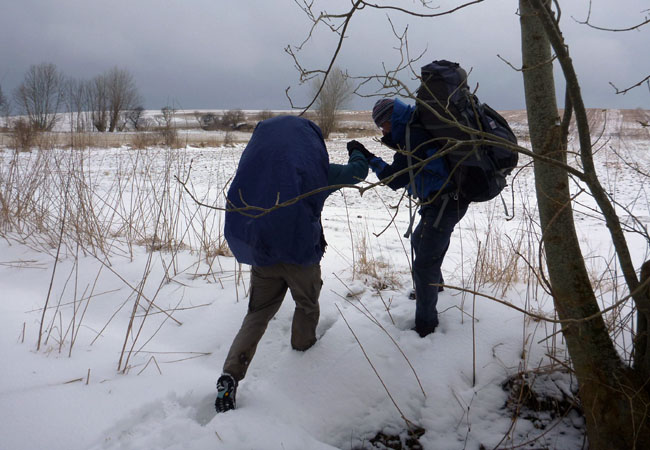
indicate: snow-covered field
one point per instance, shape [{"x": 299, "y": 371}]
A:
[{"x": 132, "y": 340}]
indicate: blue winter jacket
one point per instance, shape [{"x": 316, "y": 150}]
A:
[
  {"x": 429, "y": 179},
  {"x": 285, "y": 158}
]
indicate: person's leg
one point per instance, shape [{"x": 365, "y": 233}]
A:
[
  {"x": 305, "y": 284},
  {"x": 267, "y": 291},
  {"x": 430, "y": 241}
]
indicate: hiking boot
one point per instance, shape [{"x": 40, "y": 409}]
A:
[{"x": 226, "y": 390}]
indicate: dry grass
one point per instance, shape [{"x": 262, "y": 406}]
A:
[
  {"x": 503, "y": 257},
  {"x": 136, "y": 140},
  {"x": 378, "y": 272},
  {"x": 218, "y": 249},
  {"x": 53, "y": 202},
  {"x": 141, "y": 141}
]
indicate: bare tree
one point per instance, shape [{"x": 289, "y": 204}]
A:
[
  {"x": 5, "y": 107},
  {"x": 3, "y": 99},
  {"x": 167, "y": 126},
  {"x": 78, "y": 94},
  {"x": 615, "y": 397},
  {"x": 122, "y": 95},
  {"x": 333, "y": 96},
  {"x": 41, "y": 95},
  {"x": 135, "y": 118},
  {"x": 614, "y": 394},
  {"x": 98, "y": 102}
]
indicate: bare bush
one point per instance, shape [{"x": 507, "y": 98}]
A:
[
  {"x": 263, "y": 115},
  {"x": 168, "y": 130},
  {"x": 23, "y": 135},
  {"x": 209, "y": 121},
  {"x": 334, "y": 95},
  {"x": 233, "y": 118},
  {"x": 135, "y": 119}
]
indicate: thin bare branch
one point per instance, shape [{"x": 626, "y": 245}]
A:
[
  {"x": 588, "y": 23},
  {"x": 422, "y": 15},
  {"x": 626, "y": 90}
]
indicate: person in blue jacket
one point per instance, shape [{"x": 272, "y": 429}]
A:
[
  {"x": 281, "y": 238},
  {"x": 427, "y": 181}
]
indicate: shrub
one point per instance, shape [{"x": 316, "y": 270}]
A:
[
  {"x": 143, "y": 140},
  {"x": 233, "y": 118},
  {"x": 263, "y": 115},
  {"x": 23, "y": 135}
]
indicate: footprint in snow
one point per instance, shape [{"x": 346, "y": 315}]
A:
[
  {"x": 161, "y": 423},
  {"x": 324, "y": 325}
]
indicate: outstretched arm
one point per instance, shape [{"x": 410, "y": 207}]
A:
[
  {"x": 353, "y": 172},
  {"x": 384, "y": 170}
]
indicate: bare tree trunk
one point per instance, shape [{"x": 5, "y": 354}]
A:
[
  {"x": 641, "y": 300},
  {"x": 641, "y": 347},
  {"x": 614, "y": 402}
]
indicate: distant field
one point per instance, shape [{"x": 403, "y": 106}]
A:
[{"x": 631, "y": 123}]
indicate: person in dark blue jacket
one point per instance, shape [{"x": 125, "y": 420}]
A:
[
  {"x": 281, "y": 238},
  {"x": 441, "y": 209}
]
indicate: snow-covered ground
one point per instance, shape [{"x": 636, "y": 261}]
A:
[{"x": 367, "y": 373}]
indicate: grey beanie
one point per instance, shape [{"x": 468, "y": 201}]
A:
[{"x": 382, "y": 111}]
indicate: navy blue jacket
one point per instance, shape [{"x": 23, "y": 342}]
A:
[
  {"x": 285, "y": 158},
  {"x": 428, "y": 180}
]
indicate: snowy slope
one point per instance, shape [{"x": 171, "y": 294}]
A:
[{"x": 367, "y": 373}]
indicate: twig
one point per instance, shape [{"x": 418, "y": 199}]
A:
[
  {"x": 408, "y": 422},
  {"x": 625, "y": 91},
  {"x": 374, "y": 320},
  {"x": 639, "y": 288},
  {"x": 56, "y": 261}
]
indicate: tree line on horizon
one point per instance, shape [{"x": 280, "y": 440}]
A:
[{"x": 109, "y": 101}]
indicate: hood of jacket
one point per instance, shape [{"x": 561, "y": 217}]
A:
[
  {"x": 400, "y": 118},
  {"x": 285, "y": 158}
]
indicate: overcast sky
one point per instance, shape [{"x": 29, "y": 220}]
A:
[{"x": 222, "y": 54}]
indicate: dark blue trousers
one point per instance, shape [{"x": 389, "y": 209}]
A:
[{"x": 430, "y": 242}]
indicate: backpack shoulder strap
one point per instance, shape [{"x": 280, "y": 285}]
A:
[{"x": 409, "y": 161}]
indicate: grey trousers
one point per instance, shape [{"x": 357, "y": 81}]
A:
[{"x": 269, "y": 285}]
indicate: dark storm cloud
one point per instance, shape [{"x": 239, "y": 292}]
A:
[
  {"x": 229, "y": 54},
  {"x": 196, "y": 53}
]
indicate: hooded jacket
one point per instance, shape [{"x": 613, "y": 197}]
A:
[
  {"x": 285, "y": 158},
  {"x": 428, "y": 179}
]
